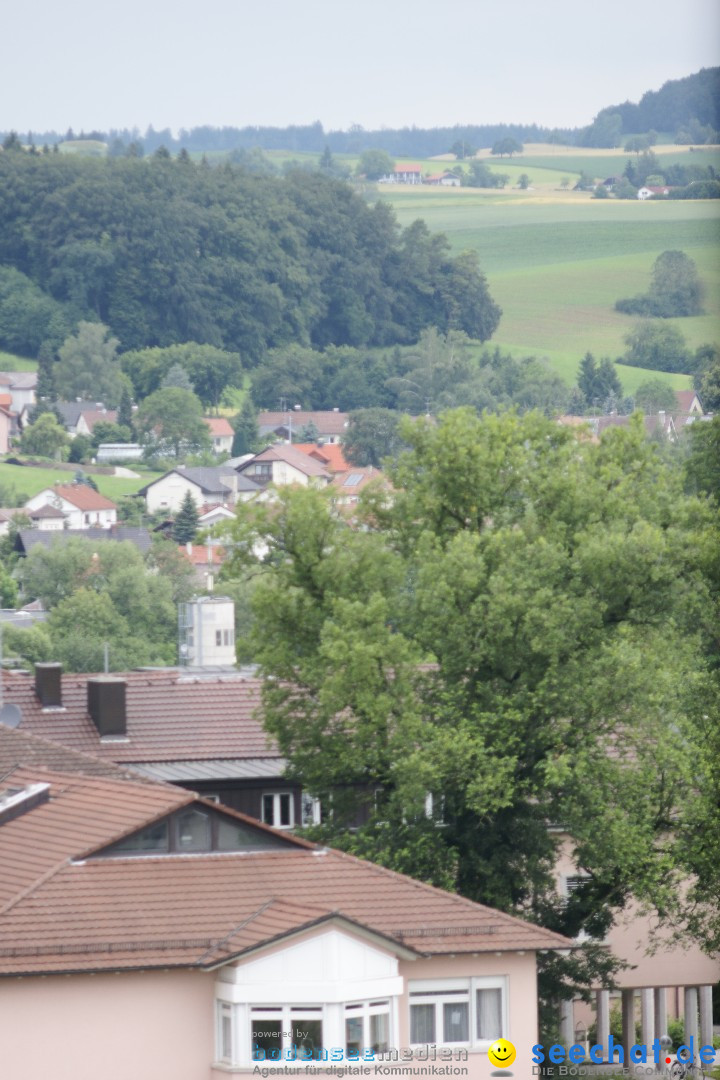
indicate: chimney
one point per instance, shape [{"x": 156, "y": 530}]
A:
[
  {"x": 48, "y": 684},
  {"x": 106, "y": 704}
]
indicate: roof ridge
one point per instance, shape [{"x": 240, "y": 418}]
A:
[{"x": 235, "y": 930}]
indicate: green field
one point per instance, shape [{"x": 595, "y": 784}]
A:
[
  {"x": 10, "y": 362},
  {"x": 29, "y": 480},
  {"x": 556, "y": 265}
]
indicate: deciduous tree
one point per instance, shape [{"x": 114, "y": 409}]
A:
[{"x": 170, "y": 423}]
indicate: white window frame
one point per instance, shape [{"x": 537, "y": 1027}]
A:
[
  {"x": 225, "y": 1011},
  {"x": 439, "y": 992},
  {"x": 276, "y": 797},
  {"x": 363, "y": 1010},
  {"x": 285, "y": 1016}
]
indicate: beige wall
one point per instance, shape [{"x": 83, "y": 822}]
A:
[
  {"x": 141, "y": 1026},
  {"x": 631, "y": 937}
]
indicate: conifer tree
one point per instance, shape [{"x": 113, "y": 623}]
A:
[{"x": 186, "y": 521}]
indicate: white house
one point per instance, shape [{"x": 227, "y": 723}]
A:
[
  {"x": 208, "y": 485},
  {"x": 21, "y": 387},
  {"x": 282, "y": 465},
  {"x": 221, "y": 434},
  {"x": 82, "y": 506}
]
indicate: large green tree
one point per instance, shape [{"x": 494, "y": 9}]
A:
[
  {"x": 88, "y": 366},
  {"x": 675, "y": 290},
  {"x": 654, "y": 344},
  {"x": 522, "y": 630},
  {"x": 170, "y": 424}
]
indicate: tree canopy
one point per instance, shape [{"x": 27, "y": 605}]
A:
[
  {"x": 675, "y": 290},
  {"x": 164, "y": 252},
  {"x": 523, "y": 629}
]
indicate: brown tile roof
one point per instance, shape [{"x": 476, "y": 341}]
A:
[
  {"x": 170, "y": 717},
  {"x": 92, "y": 416},
  {"x": 219, "y": 426},
  {"x": 66, "y": 910},
  {"x": 83, "y": 497},
  {"x": 46, "y": 511},
  {"x": 328, "y": 422},
  {"x": 300, "y": 461},
  {"x": 82, "y": 811},
  {"x": 203, "y": 554},
  {"x": 685, "y": 399},
  {"x": 18, "y": 747}
]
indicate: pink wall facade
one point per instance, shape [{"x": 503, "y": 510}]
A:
[{"x": 139, "y": 1026}]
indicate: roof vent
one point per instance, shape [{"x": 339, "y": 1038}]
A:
[
  {"x": 48, "y": 684},
  {"x": 106, "y": 704}
]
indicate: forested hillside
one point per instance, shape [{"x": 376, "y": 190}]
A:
[{"x": 164, "y": 251}]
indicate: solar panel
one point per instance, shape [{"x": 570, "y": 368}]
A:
[{"x": 352, "y": 480}]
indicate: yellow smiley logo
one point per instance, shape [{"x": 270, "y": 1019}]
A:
[{"x": 501, "y": 1053}]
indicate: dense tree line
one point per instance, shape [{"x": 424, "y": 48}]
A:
[
  {"x": 414, "y": 141},
  {"x": 441, "y": 371},
  {"x": 688, "y": 107},
  {"x": 165, "y": 252}
]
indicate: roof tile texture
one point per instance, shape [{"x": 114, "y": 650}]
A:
[{"x": 170, "y": 717}]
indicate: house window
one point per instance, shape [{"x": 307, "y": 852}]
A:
[
  {"x": 278, "y": 1032},
  {"x": 192, "y": 831},
  {"x": 224, "y": 1036},
  {"x": 277, "y": 809},
  {"x": 458, "y": 1012},
  {"x": 218, "y": 637},
  {"x": 311, "y": 810},
  {"x": 367, "y": 1026}
]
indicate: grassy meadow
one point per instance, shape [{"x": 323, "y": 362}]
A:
[{"x": 29, "y": 480}]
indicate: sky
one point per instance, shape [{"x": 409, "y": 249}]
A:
[{"x": 108, "y": 64}]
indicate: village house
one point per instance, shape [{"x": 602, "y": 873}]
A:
[
  {"x": 131, "y": 909},
  {"x": 281, "y": 465},
  {"x": 219, "y": 484},
  {"x": 82, "y": 506},
  {"x": 221, "y": 433},
  {"x": 21, "y": 386}
]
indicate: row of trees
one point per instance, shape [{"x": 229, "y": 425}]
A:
[{"x": 165, "y": 252}]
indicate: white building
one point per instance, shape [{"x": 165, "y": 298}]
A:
[
  {"x": 82, "y": 506},
  {"x": 207, "y": 632}
]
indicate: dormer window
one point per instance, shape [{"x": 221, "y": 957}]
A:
[{"x": 193, "y": 831}]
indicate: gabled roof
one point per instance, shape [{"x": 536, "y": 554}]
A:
[
  {"x": 685, "y": 399},
  {"x": 45, "y": 511},
  {"x": 71, "y": 411},
  {"x": 92, "y": 416},
  {"x": 83, "y": 497},
  {"x": 69, "y": 909},
  {"x": 300, "y": 461},
  {"x": 171, "y": 716},
  {"x": 211, "y": 479},
  {"x": 219, "y": 426}
]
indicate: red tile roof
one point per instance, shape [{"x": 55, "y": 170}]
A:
[
  {"x": 329, "y": 454},
  {"x": 171, "y": 716},
  {"x": 67, "y": 909},
  {"x": 219, "y": 426},
  {"x": 83, "y": 497},
  {"x": 203, "y": 554}
]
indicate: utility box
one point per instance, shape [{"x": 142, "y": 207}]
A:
[{"x": 207, "y": 632}]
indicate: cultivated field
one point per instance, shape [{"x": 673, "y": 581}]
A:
[{"x": 556, "y": 261}]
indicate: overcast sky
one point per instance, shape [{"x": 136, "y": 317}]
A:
[{"x": 123, "y": 63}]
